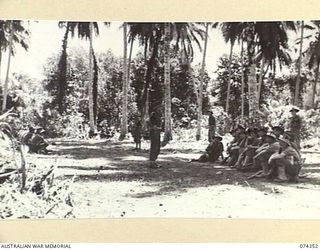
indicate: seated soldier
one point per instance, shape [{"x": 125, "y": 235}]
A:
[
  {"x": 277, "y": 131},
  {"x": 235, "y": 148},
  {"x": 37, "y": 142},
  {"x": 264, "y": 152},
  {"x": 25, "y": 136},
  {"x": 213, "y": 151},
  {"x": 252, "y": 143},
  {"x": 288, "y": 135},
  {"x": 287, "y": 164},
  {"x": 262, "y": 132}
]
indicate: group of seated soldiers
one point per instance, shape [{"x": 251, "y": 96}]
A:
[{"x": 271, "y": 154}]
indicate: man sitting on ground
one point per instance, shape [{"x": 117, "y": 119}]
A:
[
  {"x": 263, "y": 153},
  {"x": 37, "y": 143},
  {"x": 213, "y": 151},
  {"x": 245, "y": 161},
  {"x": 287, "y": 164}
]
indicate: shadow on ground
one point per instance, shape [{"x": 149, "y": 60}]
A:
[{"x": 175, "y": 175}]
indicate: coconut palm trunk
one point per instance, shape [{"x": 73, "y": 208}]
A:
[
  {"x": 129, "y": 62},
  {"x": 90, "y": 88},
  {"x": 242, "y": 82},
  {"x": 252, "y": 80},
  {"x": 200, "y": 88},
  {"x": 229, "y": 78},
  {"x": 124, "y": 121},
  {"x": 314, "y": 89},
  {"x": 297, "y": 90},
  {"x": 5, "y": 87},
  {"x": 167, "y": 92},
  {"x": 260, "y": 81}
]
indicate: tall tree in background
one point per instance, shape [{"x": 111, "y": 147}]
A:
[
  {"x": 297, "y": 90},
  {"x": 150, "y": 36},
  {"x": 200, "y": 87},
  {"x": 124, "y": 122},
  {"x": 11, "y": 33},
  {"x": 86, "y": 30},
  {"x": 314, "y": 62},
  {"x": 231, "y": 31},
  {"x": 167, "y": 92},
  {"x": 242, "y": 78},
  {"x": 272, "y": 43},
  {"x": 5, "y": 87},
  {"x": 62, "y": 70}
]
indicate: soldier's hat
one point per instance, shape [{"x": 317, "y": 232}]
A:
[
  {"x": 264, "y": 129},
  {"x": 218, "y": 137},
  {"x": 284, "y": 141},
  {"x": 288, "y": 134},
  {"x": 271, "y": 136},
  {"x": 240, "y": 127},
  {"x": 294, "y": 109},
  {"x": 278, "y": 127}
]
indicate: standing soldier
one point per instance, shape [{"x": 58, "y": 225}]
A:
[
  {"x": 137, "y": 134},
  {"x": 155, "y": 127},
  {"x": 295, "y": 125},
  {"x": 212, "y": 127}
]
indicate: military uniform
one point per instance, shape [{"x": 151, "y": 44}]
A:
[
  {"x": 264, "y": 153},
  {"x": 212, "y": 127},
  {"x": 213, "y": 151},
  {"x": 155, "y": 124},
  {"x": 286, "y": 164},
  {"x": 137, "y": 134},
  {"x": 295, "y": 128}
]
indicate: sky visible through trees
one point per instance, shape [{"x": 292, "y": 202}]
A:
[{"x": 46, "y": 39}]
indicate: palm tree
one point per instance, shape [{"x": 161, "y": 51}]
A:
[
  {"x": 231, "y": 31},
  {"x": 62, "y": 70},
  {"x": 85, "y": 30},
  {"x": 273, "y": 46},
  {"x": 314, "y": 62},
  {"x": 124, "y": 122},
  {"x": 200, "y": 88},
  {"x": 17, "y": 34},
  {"x": 150, "y": 36},
  {"x": 167, "y": 92},
  {"x": 242, "y": 81},
  {"x": 186, "y": 34},
  {"x": 5, "y": 87},
  {"x": 297, "y": 90}
]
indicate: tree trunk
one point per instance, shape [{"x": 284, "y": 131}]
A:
[
  {"x": 95, "y": 87},
  {"x": 167, "y": 92},
  {"x": 252, "y": 79},
  {"x": 23, "y": 168},
  {"x": 297, "y": 90},
  {"x": 242, "y": 82},
  {"x": 62, "y": 70},
  {"x": 260, "y": 81},
  {"x": 198, "y": 135},
  {"x": 314, "y": 89},
  {"x": 124, "y": 122},
  {"x": 90, "y": 89},
  {"x": 5, "y": 87},
  {"x": 129, "y": 63},
  {"x": 0, "y": 60},
  {"x": 229, "y": 79},
  {"x": 145, "y": 95}
]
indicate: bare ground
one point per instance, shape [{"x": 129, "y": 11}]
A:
[{"x": 112, "y": 180}]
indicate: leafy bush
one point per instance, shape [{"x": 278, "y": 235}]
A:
[{"x": 42, "y": 197}]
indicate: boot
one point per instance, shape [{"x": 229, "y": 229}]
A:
[
  {"x": 282, "y": 173},
  {"x": 265, "y": 170}
]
